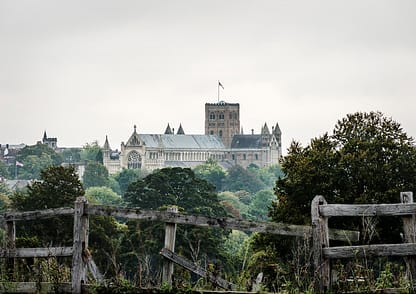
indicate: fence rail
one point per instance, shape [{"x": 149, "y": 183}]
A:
[
  {"x": 323, "y": 253},
  {"x": 319, "y": 232}
]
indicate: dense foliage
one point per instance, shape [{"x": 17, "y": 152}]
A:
[
  {"x": 58, "y": 187},
  {"x": 35, "y": 158},
  {"x": 95, "y": 175},
  {"x": 367, "y": 159},
  {"x": 173, "y": 187}
]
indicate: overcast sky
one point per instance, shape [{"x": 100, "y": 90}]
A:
[{"x": 82, "y": 70}]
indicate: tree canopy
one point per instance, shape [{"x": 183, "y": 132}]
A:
[
  {"x": 367, "y": 159},
  {"x": 174, "y": 186},
  {"x": 58, "y": 187},
  {"x": 35, "y": 158},
  {"x": 179, "y": 187},
  {"x": 95, "y": 175},
  {"x": 91, "y": 152}
]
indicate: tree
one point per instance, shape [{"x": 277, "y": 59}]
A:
[
  {"x": 92, "y": 152},
  {"x": 4, "y": 196},
  {"x": 71, "y": 155},
  {"x": 260, "y": 204},
  {"x": 33, "y": 165},
  {"x": 233, "y": 204},
  {"x": 212, "y": 172},
  {"x": 239, "y": 178},
  {"x": 367, "y": 159},
  {"x": 127, "y": 176},
  {"x": 35, "y": 158},
  {"x": 58, "y": 187},
  {"x": 95, "y": 175},
  {"x": 38, "y": 150},
  {"x": 4, "y": 172},
  {"x": 102, "y": 196},
  {"x": 180, "y": 187}
]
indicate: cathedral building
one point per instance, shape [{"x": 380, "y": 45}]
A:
[{"x": 222, "y": 142}]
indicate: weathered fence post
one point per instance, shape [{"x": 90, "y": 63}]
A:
[
  {"x": 320, "y": 238},
  {"x": 81, "y": 230},
  {"x": 10, "y": 243},
  {"x": 409, "y": 229},
  {"x": 170, "y": 236}
]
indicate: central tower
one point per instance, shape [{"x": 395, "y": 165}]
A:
[{"x": 222, "y": 119}]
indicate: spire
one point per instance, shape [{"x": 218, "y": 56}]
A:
[
  {"x": 265, "y": 130},
  {"x": 276, "y": 130},
  {"x": 168, "y": 130},
  {"x": 44, "y": 135},
  {"x": 180, "y": 130},
  {"x": 135, "y": 128},
  {"x": 106, "y": 144}
]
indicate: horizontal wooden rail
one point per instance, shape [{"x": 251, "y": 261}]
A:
[
  {"x": 35, "y": 214},
  {"x": 405, "y": 249},
  {"x": 220, "y": 222},
  {"x": 36, "y": 252},
  {"x": 396, "y": 209}
]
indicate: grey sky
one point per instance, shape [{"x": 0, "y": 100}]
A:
[{"x": 85, "y": 69}]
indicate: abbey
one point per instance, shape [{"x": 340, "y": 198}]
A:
[{"x": 223, "y": 141}]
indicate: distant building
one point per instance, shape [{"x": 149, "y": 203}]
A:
[
  {"x": 50, "y": 142},
  {"x": 222, "y": 142}
]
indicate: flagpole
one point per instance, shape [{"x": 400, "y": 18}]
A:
[{"x": 218, "y": 86}]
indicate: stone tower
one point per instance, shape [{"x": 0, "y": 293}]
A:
[{"x": 222, "y": 119}]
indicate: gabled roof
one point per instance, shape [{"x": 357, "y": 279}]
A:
[
  {"x": 134, "y": 139},
  {"x": 246, "y": 142},
  {"x": 181, "y": 141}
]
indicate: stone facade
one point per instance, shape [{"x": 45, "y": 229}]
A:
[{"x": 222, "y": 142}]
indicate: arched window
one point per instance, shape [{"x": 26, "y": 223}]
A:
[
  {"x": 220, "y": 133},
  {"x": 221, "y": 116},
  {"x": 134, "y": 160},
  {"x": 212, "y": 115},
  {"x": 211, "y": 132}
]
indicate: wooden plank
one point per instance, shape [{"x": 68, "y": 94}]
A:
[
  {"x": 78, "y": 265},
  {"x": 36, "y": 252},
  {"x": 170, "y": 237},
  {"x": 367, "y": 209},
  {"x": 409, "y": 229},
  {"x": 215, "y": 279},
  {"x": 35, "y": 214},
  {"x": 220, "y": 222},
  {"x": 405, "y": 249},
  {"x": 10, "y": 244},
  {"x": 34, "y": 287},
  {"x": 320, "y": 238}
]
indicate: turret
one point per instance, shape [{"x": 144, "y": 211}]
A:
[
  {"x": 168, "y": 130},
  {"x": 180, "y": 130}
]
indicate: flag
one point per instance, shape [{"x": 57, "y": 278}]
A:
[
  {"x": 18, "y": 163},
  {"x": 6, "y": 151},
  {"x": 219, "y": 84}
]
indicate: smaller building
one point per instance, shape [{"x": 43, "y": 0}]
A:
[{"x": 50, "y": 142}]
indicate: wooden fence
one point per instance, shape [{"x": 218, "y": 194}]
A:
[
  {"x": 323, "y": 253},
  {"x": 79, "y": 250}
]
